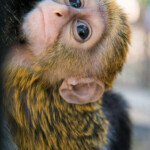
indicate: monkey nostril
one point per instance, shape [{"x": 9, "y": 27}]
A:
[{"x": 58, "y": 14}]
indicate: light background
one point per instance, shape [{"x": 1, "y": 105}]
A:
[{"x": 134, "y": 82}]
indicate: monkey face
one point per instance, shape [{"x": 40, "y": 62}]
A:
[
  {"x": 81, "y": 43},
  {"x": 78, "y": 27}
]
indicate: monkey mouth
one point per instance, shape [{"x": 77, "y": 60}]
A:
[{"x": 81, "y": 90}]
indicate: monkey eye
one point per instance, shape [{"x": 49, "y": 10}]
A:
[
  {"x": 82, "y": 30},
  {"x": 75, "y": 3}
]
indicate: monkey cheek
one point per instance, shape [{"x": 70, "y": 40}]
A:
[{"x": 81, "y": 91}]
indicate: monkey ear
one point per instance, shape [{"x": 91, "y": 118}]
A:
[{"x": 81, "y": 91}]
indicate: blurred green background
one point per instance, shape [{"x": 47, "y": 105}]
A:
[{"x": 134, "y": 81}]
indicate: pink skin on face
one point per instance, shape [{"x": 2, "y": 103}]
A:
[{"x": 44, "y": 23}]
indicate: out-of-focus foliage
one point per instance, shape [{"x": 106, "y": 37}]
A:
[{"x": 144, "y": 2}]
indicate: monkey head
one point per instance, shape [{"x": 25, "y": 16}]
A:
[
  {"x": 80, "y": 44},
  {"x": 65, "y": 52}
]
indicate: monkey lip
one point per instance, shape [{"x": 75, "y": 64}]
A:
[{"x": 81, "y": 90}]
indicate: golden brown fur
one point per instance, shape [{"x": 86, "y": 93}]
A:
[{"x": 42, "y": 120}]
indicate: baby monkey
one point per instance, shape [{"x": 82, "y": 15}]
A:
[{"x": 57, "y": 73}]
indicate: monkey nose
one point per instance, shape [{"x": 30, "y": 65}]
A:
[
  {"x": 57, "y": 9},
  {"x": 61, "y": 10},
  {"x": 58, "y": 14}
]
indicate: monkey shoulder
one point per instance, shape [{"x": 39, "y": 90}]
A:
[{"x": 115, "y": 109}]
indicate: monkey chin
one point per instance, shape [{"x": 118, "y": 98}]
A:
[{"x": 81, "y": 90}]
